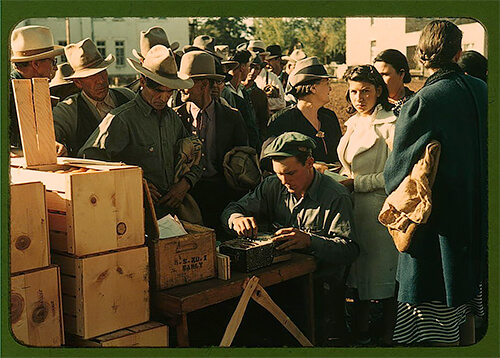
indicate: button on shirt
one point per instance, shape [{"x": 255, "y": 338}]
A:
[
  {"x": 325, "y": 212},
  {"x": 204, "y": 127}
]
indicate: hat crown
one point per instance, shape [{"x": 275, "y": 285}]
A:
[
  {"x": 83, "y": 55},
  {"x": 307, "y": 69},
  {"x": 256, "y": 46},
  {"x": 205, "y": 42},
  {"x": 29, "y": 38},
  {"x": 154, "y": 36},
  {"x": 197, "y": 64},
  {"x": 274, "y": 50},
  {"x": 161, "y": 61},
  {"x": 297, "y": 55},
  {"x": 289, "y": 144}
]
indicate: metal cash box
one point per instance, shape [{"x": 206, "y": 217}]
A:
[{"x": 249, "y": 254}]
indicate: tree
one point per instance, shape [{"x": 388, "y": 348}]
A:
[
  {"x": 277, "y": 31},
  {"x": 227, "y": 30}
]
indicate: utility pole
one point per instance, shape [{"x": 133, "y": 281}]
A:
[{"x": 68, "y": 37}]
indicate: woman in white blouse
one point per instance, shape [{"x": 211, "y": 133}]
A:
[{"x": 363, "y": 151}]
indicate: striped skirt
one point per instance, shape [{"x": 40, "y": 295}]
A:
[{"x": 433, "y": 321}]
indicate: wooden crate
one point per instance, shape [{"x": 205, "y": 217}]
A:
[
  {"x": 35, "y": 308},
  {"x": 183, "y": 259},
  {"x": 29, "y": 232},
  {"x": 104, "y": 293},
  {"x": 92, "y": 208},
  {"x": 149, "y": 334}
]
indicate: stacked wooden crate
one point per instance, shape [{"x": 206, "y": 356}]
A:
[
  {"x": 96, "y": 225},
  {"x": 35, "y": 294}
]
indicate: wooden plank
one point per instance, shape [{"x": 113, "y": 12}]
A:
[
  {"x": 35, "y": 300},
  {"x": 56, "y": 201},
  {"x": 189, "y": 298},
  {"x": 66, "y": 263},
  {"x": 23, "y": 98},
  {"x": 58, "y": 241},
  {"x": 52, "y": 181},
  {"x": 46, "y": 153},
  {"x": 69, "y": 305},
  {"x": 29, "y": 236},
  {"x": 57, "y": 222},
  {"x": 70, "y": 324},
  {"x": 68, "y": 284},
  {"x": 115, "y": 291}
]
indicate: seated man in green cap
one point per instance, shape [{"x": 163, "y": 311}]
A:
[{"x": 306, "y": 210}]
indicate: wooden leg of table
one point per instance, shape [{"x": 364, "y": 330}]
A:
[
  {"x": 309, "y": 301},
  {"x": 182, "y": 332}
]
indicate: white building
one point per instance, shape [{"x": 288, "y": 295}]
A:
[
  {"x": 367, "y": 36},
  {"x": 115, "y": 35}
]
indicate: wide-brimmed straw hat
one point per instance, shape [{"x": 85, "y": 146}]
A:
[
  {"x": 274, "y": 52},
  {"x": 204, "y": 43},
  {"x": 63, "y": 70},
  {"x": 295, "y": 56},
  {"x": 159, "y": 66},
  {"x": 30, "y": 43},
  {"x": 154, "y": 36},
  {"x": 85, "y": 59},
  {"x": 307, "y": 70},
  {"x": 222, "y": 51},
  {"x": 198, "y": 65}
]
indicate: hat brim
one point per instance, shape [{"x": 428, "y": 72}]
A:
[
  {"x": 87, "y": 72},
  {"x": 288, "y": 58},
  {"x": 60, "y": 83},
  {"x": 173, "y": 83},
  {"x": 57, "y": 51},
  {"x": 189, "y": 48},
  {"x": 173, "y": 46},
  {"x": 201, "y": 76},
  {"x": 230, "y": 65},
  {"x": 299, "y": 79},
  {"x": 270, "y": 57}
]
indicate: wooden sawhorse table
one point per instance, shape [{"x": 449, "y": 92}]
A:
[{"x": 175, "y": 303}]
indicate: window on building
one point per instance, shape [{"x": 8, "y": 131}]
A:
[
  {"x": 469, "y": 46},
  {"x": 410, "y": 55},
  {"x": 373, "y": 50},
  {"x": 63, "y": 57},
  {"x": 120, "y": 52},
  {"x": 101, "y": 47},
  {"x": 372, "y": 21}
]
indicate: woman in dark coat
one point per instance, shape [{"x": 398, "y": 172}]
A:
[
  {"x": 308, "y": 82},
  {"x": 440, "y": 275}
]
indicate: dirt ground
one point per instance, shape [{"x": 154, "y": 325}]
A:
[{"x": 338, "y": 102}]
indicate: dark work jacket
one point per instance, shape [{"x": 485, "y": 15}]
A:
[
  {"x": 87, "y": 122},
  {"x": 291, "y": 119},
  {"x": 230, "y": 129},
  {"x": 446, "y": 258}
]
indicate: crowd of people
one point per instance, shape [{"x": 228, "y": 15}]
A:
[{"x": 239, "y": 140}]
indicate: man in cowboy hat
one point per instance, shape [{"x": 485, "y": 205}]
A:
[
  {"x": 236, "y": 96},
  {"x": 220, "y": 129},
  {"x": 268, "y": 81},
  {"x": 257, "y": 96},
  {"x": 145, "y": 131},
  {"x": 273, "y": 61},
  {"x": 78, "y": 116},
  {"x": 33, "y": 55},
  {"x": 304, "y": 210},
  {"x": 153, "y": 36}
]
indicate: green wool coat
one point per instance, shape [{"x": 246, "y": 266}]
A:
[{"x": 447, "y": 256}]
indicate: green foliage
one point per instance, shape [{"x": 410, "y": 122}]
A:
[
  {"x": 227, "y": 30},
  {"x": 321, "y": 37}
]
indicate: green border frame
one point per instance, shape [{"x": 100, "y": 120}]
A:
[{"x": 487, "y": 12}]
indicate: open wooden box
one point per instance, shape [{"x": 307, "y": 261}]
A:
[
  {"x": 179, "y": 260},
  {"x": 93, "y": 206}
]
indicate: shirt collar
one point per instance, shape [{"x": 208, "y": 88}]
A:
[
  {"x": 209, "y": 110},
  {"x": 143, "y": 105},
  {"x": 106, "y": 99}
]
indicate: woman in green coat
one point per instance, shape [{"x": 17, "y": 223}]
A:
[{"x": 440, "y": 275}]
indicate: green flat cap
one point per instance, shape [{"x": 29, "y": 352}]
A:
[{"x": 289, "y": 144}]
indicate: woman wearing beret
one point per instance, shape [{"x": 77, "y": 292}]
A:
[
  {"x": 308, "y": 82},
  {"x": 441, "y": 272}
]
